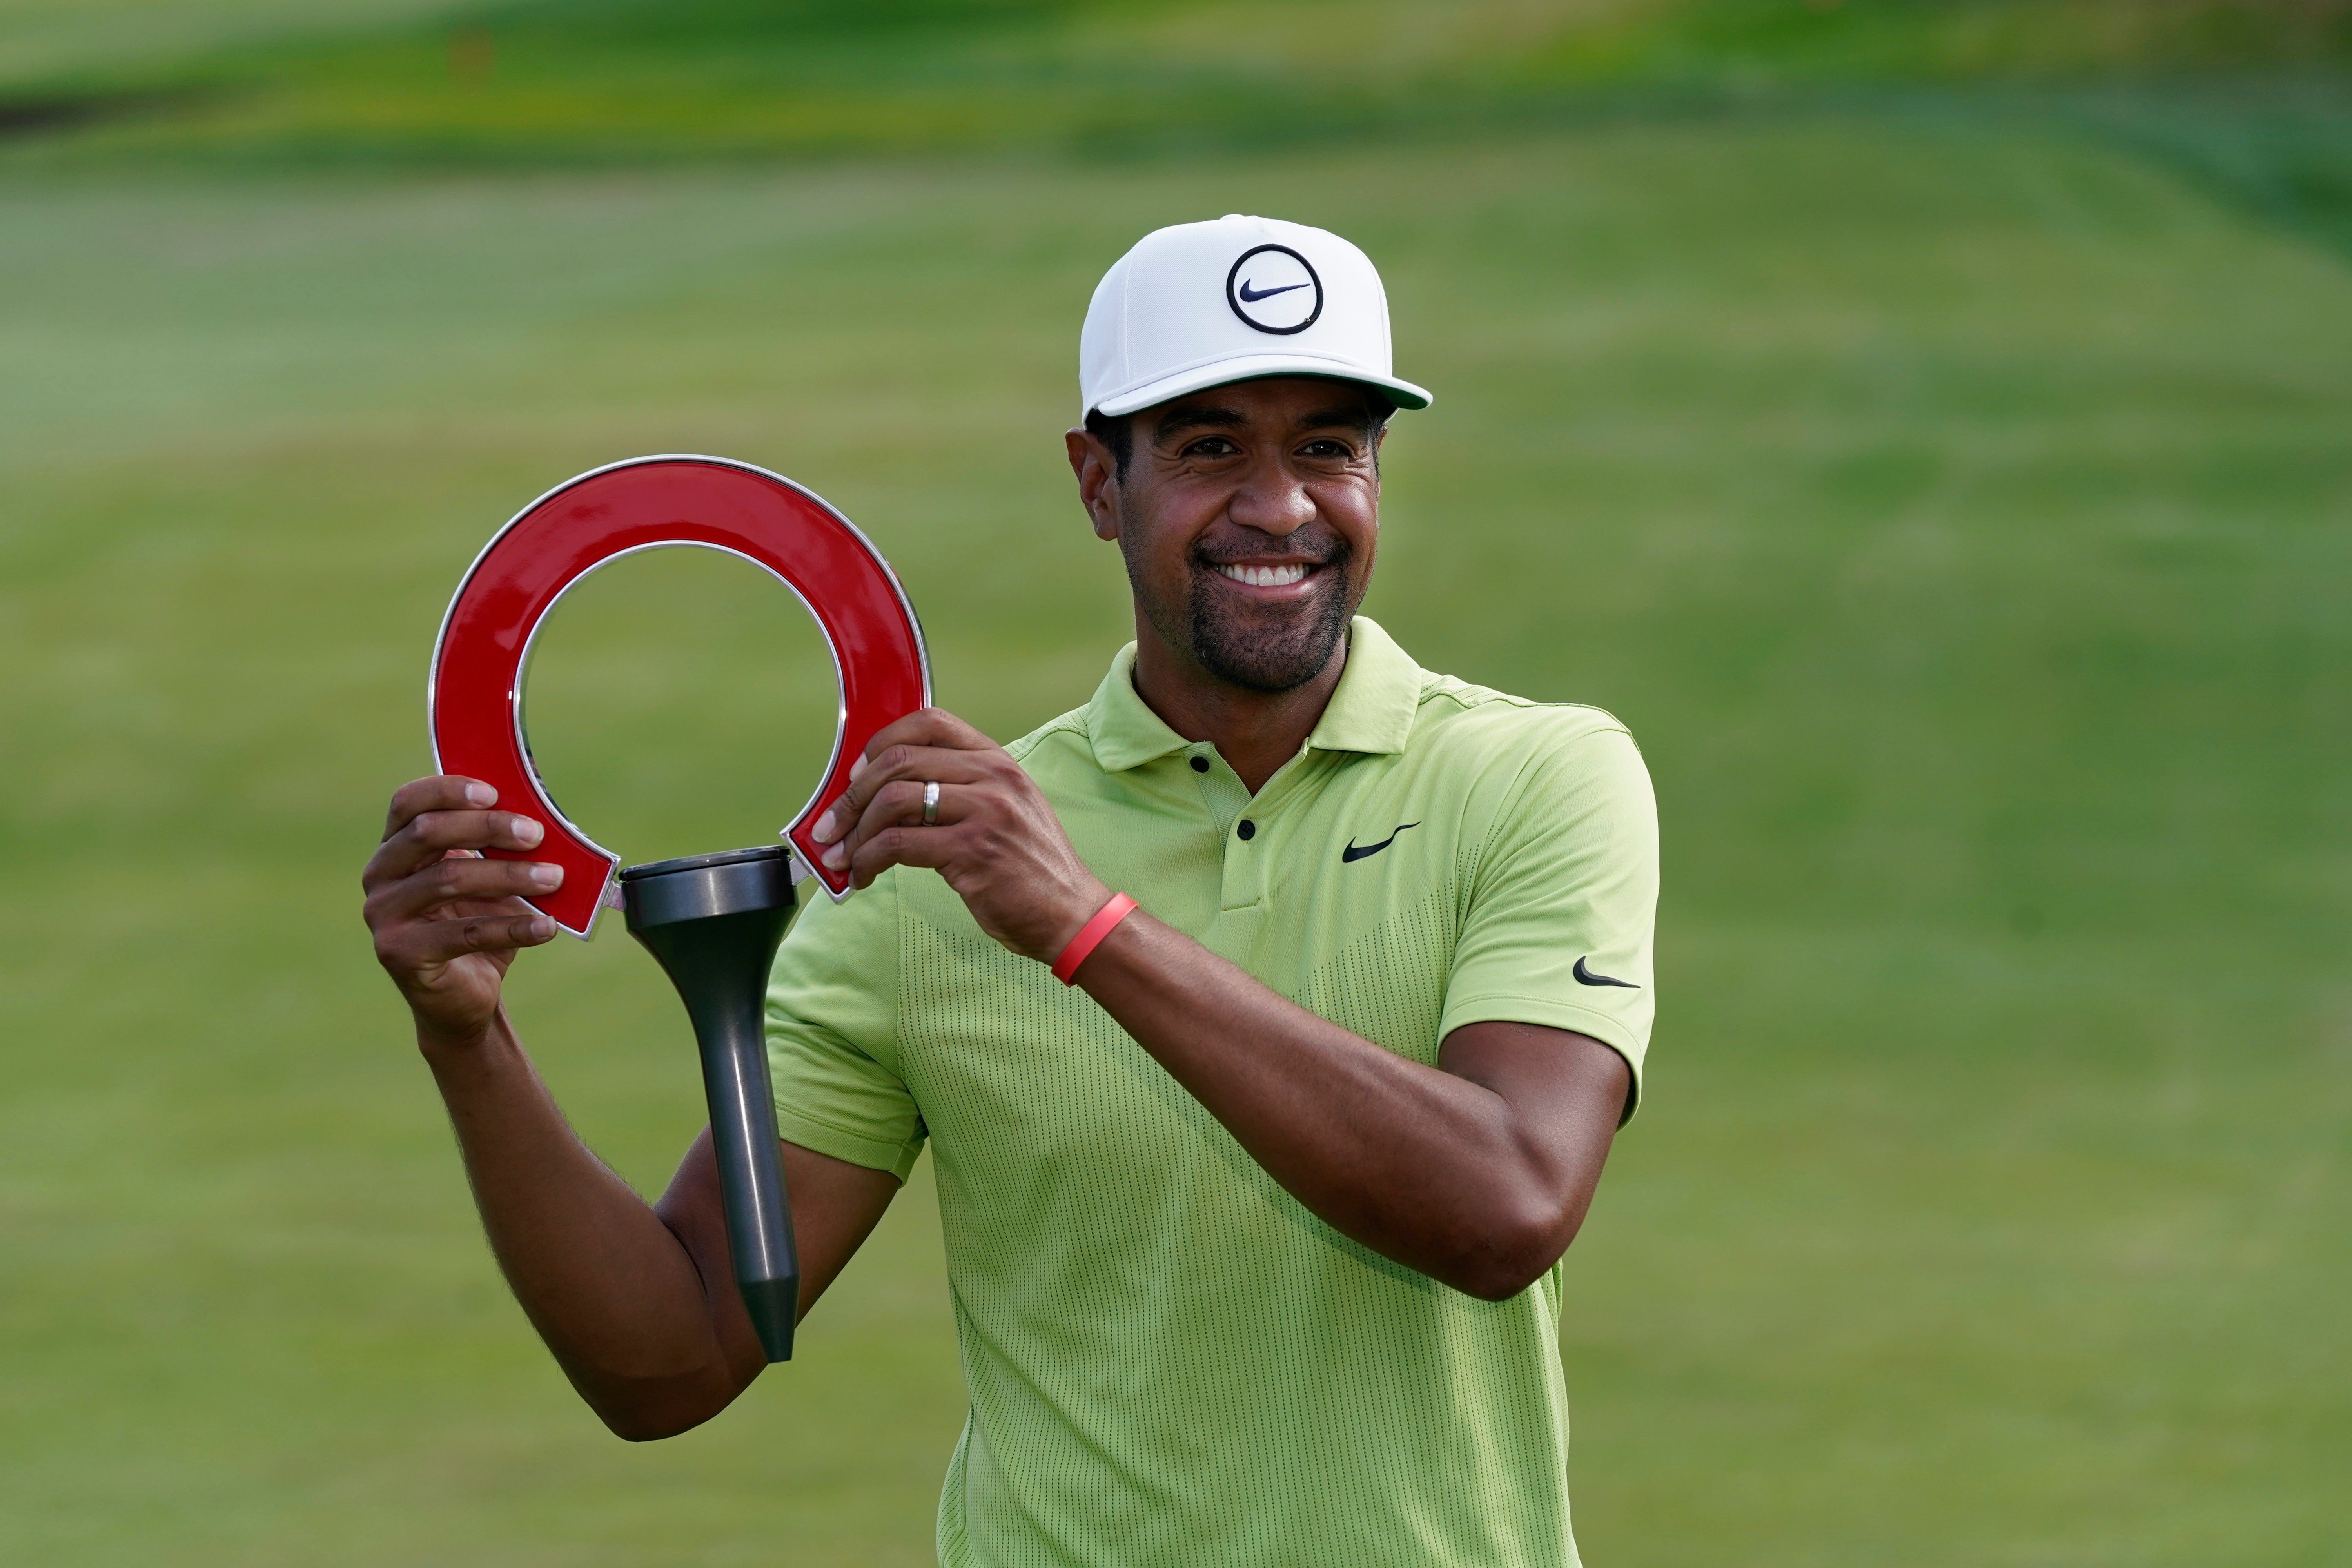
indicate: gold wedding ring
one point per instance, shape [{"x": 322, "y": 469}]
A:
[{"x": 931, "y": 804}]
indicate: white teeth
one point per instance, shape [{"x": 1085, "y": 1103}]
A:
[{"x": 1266, "y": 576}]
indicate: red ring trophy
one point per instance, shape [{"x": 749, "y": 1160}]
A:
[{"x": 713, "y": 921}]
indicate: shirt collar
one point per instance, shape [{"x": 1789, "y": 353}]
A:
[{"x": 1370, "y": 711}]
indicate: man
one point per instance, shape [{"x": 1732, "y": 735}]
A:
[{"x": 1254, "y": 1200}]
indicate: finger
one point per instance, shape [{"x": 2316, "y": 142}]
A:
[
  {"x": 442, "y": 791},
  {"x": 901, "y": 845},
  {"x": 923, "y": 727},
  {"x": 448, "y": 881},
  {"x": 438, "y": 941},
  {"x": 431, "y": 835},
  {"x": 900, "y": 804},
  {"x": 465, "y": 908},
  {"x": 922, "y": 764}
]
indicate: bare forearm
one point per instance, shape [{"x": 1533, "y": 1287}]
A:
[
  {"x": 633, "y": 1301},
  {"x": 1426, "y": 1167},
  {"x": 609, "y": 1286},
  {"x": 1475, "y": 1172}
]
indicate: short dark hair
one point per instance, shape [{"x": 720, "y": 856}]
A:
[{"x": 1118, "y": 433}]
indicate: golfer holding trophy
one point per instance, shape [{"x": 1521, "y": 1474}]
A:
[{"x": 1268, "y": 1018}]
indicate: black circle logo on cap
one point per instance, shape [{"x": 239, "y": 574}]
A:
[{"x": 1274, "y": 289}]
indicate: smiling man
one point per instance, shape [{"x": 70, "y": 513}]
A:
[{"x": 1268, "y": 1018}]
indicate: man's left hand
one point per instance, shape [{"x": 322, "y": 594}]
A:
[{"x": 995, "y": 841}]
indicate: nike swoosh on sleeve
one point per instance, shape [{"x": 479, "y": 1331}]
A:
[{"x": 1586, "y": 976}]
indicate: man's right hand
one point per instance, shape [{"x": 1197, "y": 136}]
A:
[
  {"x": 447, "y": 921},
  {"x": 637, "y": 1302}
]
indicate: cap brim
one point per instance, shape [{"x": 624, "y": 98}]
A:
[{"x": 1257, "y": 367}]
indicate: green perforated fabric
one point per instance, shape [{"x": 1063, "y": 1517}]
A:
[{"x": 1170, "y": 1360}]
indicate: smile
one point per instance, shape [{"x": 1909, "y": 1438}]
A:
[{"x": 1268, "y": 576}]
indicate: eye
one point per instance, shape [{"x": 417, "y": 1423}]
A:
[
  {"x": 1328, "y": 449},
  {"x": 1210, "y": 447}
]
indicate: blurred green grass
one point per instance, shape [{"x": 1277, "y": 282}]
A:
[
  {"x": 1954, "y": 502},
  {"x": 2252, "y": 98},
  {"x": 568, "y": 80}
]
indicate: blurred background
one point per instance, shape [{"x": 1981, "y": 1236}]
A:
[{"x": 1927, "y": 422}]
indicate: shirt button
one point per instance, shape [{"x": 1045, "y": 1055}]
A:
[
  {"x": 1200, "y": 764},
  {"x": 1246, "y": 831}
]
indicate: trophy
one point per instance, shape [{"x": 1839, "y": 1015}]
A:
[{"x": 713, "y": 921}]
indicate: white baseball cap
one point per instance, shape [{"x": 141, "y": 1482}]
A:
[{"x": 1201, "y": 304}]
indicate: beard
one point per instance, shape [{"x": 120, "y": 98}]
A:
[{"x": 1270, "y": 648}]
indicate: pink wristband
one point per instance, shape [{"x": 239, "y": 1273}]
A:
[{"x": 1090, "y": 937}]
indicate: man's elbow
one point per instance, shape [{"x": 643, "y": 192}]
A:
[
  {"x": 1500, "y": 1278},
  {"x": 647, "y": 1426},
  {"x": 636, "y": 1413},
  {"x": 1515, "y": 1252}
]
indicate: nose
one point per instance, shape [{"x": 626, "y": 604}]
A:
[{"x": 1272, "y": 500}]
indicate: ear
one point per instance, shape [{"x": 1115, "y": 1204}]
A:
[{"x": 1097, "y": 475}]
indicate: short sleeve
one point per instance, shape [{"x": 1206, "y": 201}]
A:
[
  {"x": 833, "y": 1006},
  {"x": 1562, "y": 910}
]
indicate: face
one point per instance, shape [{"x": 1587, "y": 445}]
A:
[{"x": 1249, "y": 517}]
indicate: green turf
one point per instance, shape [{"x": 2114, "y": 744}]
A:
[
  {"x": 529, "y": 81},
  {"x": 1961, "y": 516},
  {"x": 2252, "y": 100},
  {"x": 60, "y": 42}
]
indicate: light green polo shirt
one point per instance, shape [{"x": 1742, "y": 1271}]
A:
[{"x": 1172, "y": 1362}]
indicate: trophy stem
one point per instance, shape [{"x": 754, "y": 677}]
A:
[{"x": 714, "y": 922}]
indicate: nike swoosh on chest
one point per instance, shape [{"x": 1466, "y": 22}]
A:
[{"x": 1355, "y": 852}]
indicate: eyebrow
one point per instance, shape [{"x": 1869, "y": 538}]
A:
[
  {"x": 1177, "y": 419},
  {"x": 1340, "y": 417}
]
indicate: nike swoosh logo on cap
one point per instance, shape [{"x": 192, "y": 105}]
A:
[
  {"x": 1586, "y": 976},
  {"x": 1352, "y": 853},
  {"x": 1250, "y": 296}
]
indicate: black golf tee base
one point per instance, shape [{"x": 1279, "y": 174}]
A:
[
  {"x": 774, "y": 1304},
  {"x": 714, "y": 922}
]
